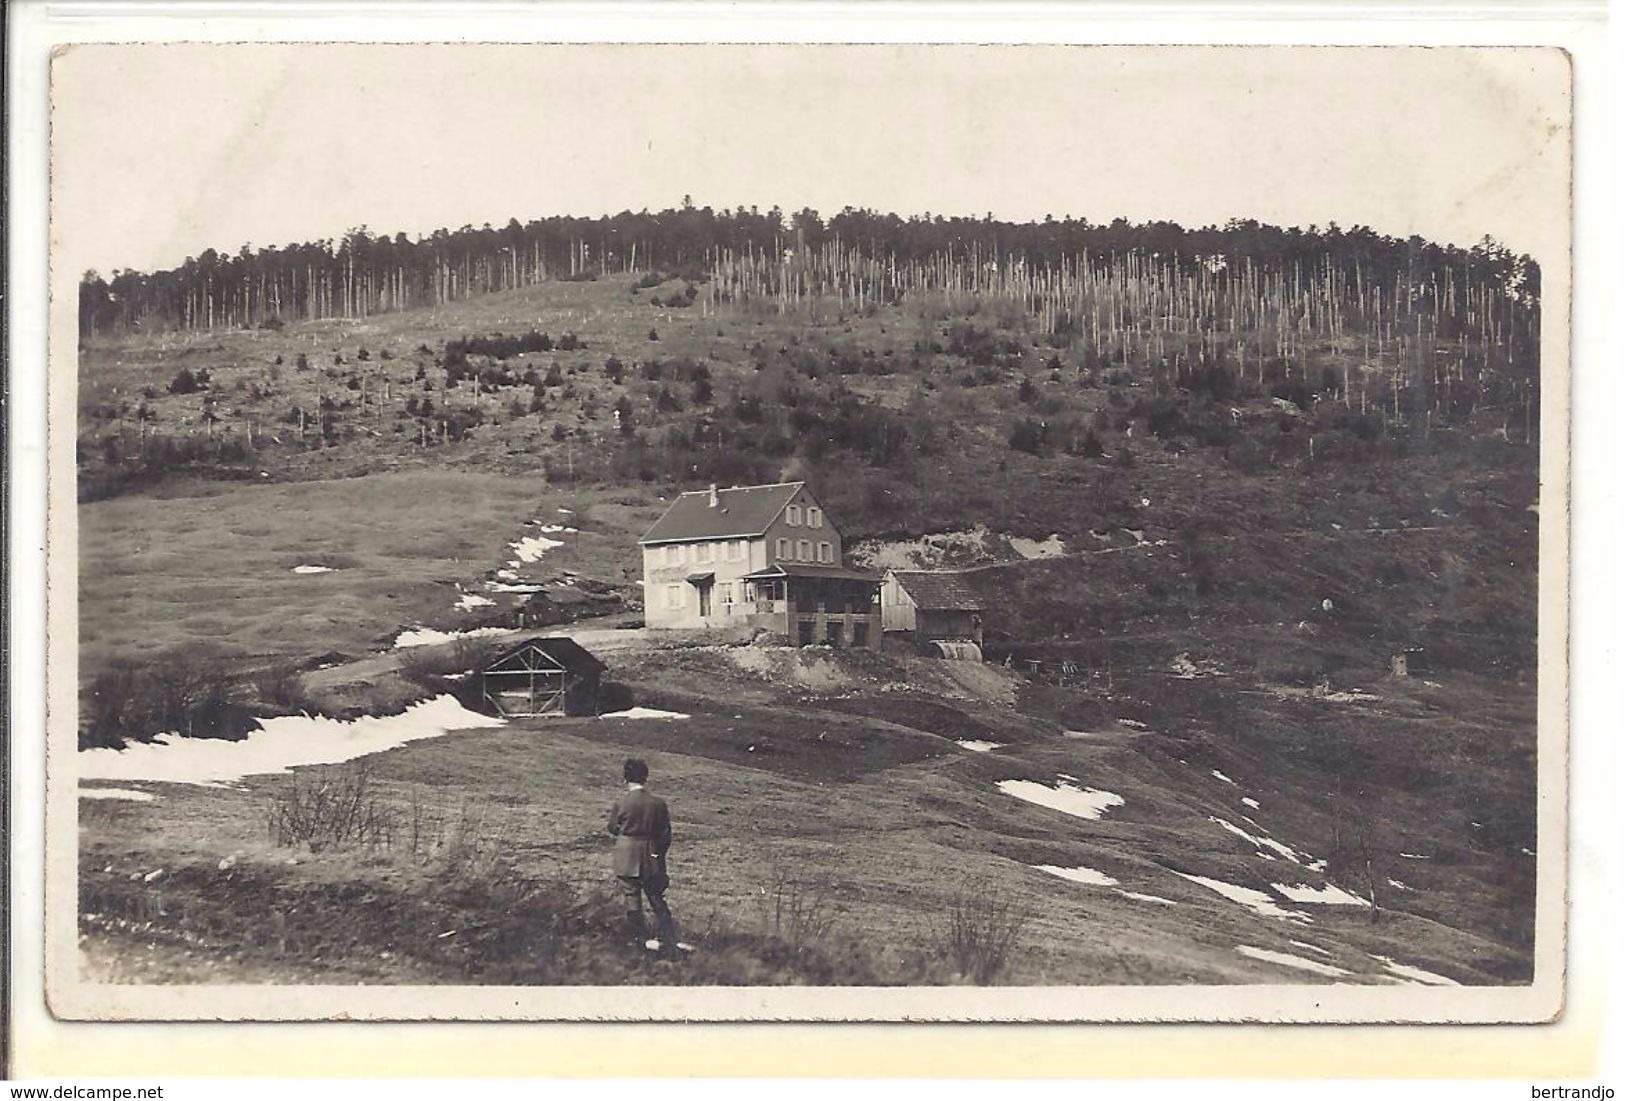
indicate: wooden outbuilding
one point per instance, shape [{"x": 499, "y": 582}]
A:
[
  {"x": 931, "y": 607},
  {"x": 542, "y": 676}
]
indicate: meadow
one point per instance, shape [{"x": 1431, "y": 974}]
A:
[
  {"x": 818, "y": 841},
  {"x": 1227, "y": 569}
]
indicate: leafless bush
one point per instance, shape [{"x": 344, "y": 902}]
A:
[
  {"x": 978, "y": 932},
  {"x": 191, "y": 691},
  {"x": 280, "y": 686},
  {"x": 467, "y": 847},
  {"x": 112, "y": 699},
  {"x": 333, "y": 810},
  {"x": 797, "y": 913}
]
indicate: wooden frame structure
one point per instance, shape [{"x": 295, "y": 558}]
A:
[{"x": 542, "y": 676}]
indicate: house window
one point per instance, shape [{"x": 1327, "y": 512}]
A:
[
  {"x": 792, "y": 515},
  {"x": 674, "y": 555},
  {"x": 674, "y": 596},
  {"x": 725, "y": 592},
  {"x": 703, "y": 552},
  {"x": 860, "y": 634},
  {"x": 826, "y": 552},
  {"x": 815, "y": 517},
  {"x": 804, "y": 550},
  {"x": 781, "y": 548},
  {"x": 736, "y": 550}
]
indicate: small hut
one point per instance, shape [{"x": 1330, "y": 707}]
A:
[
  {"x": 542, "y": 676},
  {"x": 932, "y": 607},
  {"x": 1409, "y": 662}
]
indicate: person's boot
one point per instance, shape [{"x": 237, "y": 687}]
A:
[
  {"x": 670, "y": 940},
  {"x": 637, "y": 927}
]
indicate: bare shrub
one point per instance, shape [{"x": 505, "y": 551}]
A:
[
  {"x": 110, "y": 702},
  {"x": 333, "y": 810},
  {"x": 978, "y": 932},
  {"x": 467, "y": 847},
  {"x": 280, "y": 686},
  {"x": 190, "y": 691},
  {"x": 794, "y": 911},
  {"x": 193, "y": 692}
]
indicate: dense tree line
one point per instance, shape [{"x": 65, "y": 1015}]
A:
[{"x": 863, "y": 253}]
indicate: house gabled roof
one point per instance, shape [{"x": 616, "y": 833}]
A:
[
  {"x": 741, "y": 511},
  {"x": 939, "y": 591}
]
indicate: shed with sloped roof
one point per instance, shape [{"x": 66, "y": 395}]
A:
[
  {"x": 930, "y": 606},
  {"x": 542, "y": 676}
]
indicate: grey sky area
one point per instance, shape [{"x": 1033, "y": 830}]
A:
[{"x": 163, "y": 151}]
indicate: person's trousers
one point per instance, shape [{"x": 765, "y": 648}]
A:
[{"x": 636, "y": 889}]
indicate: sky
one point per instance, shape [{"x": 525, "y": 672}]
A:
[{"x": 161, "y": 151}]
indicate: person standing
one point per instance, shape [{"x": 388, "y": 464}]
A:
[{"x": 641, "y": 826}]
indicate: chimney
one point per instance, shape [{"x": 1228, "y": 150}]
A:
[{"x": 713, "y": 501}]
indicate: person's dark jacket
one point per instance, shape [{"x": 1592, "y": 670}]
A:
[{"x": 641, "y": 825}]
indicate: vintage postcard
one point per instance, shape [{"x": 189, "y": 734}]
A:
[{"x": 788, "y": 532}]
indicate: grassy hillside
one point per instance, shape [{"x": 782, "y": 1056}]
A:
[
  {"x": 908, "y": 419},
  {"x": 1186, "y": 577},
  {"x": 839, "y": 834}
]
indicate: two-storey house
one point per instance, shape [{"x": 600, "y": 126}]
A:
[{"x": 758, "y": 556}]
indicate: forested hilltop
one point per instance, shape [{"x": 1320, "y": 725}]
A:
[
  {"x": 1355, "y": 277},
  {"x": 852, "y": 341}
]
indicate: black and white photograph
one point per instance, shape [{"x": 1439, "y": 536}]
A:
[{"x": 722, "y": 532}]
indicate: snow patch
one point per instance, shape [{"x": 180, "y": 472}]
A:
[
  {"x": 531, "y": 548},
  {"x": 428, "y": 636},
  {"x": 1258, "y": 841},
  {"x": 1286, "y": 959},
  {"x": 1256, "y": 901},
  {"x": 1398, "y": 886},
  {"x": 1248, "y": 801},
  {"x": 1311, "y": 947},
  {"x": 469, "y": 601},
  {"x": 128, "y": 794},
  {"x": 1132, "y": 724},
  {"x": 643, "y": 713},
  {"x": 1217, "y": 775},
  {"x": 1087, "y": 876},
  {"x": 313, "y": 569},
  {"x": 281, "y": 744},
  {"x": 1068, "y": 799},
  {"x": 1329, "y": 895},
  {"x": 1138, "y": 897},
  {"x": 1415, "y": 974},
  {"x": 976, "y": 745},
  {"x": 1053, "y": 547},
  {"x": 1415, "y": 856}
]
